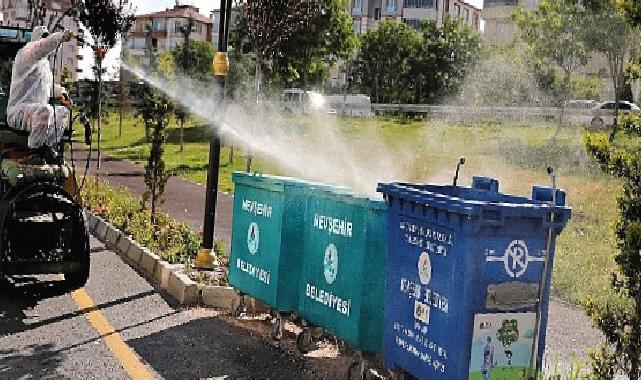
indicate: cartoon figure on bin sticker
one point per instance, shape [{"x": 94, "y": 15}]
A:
[
  {"x": 253, "y": 238},
  {"x": 502, "y": 345}
]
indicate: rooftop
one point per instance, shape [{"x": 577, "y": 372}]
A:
[{"x": 179, "y": 11}]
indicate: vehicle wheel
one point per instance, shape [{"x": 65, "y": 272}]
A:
[
  {"x": 357, "y": 371},
  {"x": 597, "y": 122},
  {"x": 77, "y": 280},
  {"x": 305, "y": 341}
]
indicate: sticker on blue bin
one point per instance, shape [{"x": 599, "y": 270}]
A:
[
  {"x": 515, "y": 259},
  {"x": 502, "y": 345},
  {"x": 330, "y": 264},
  {"x": 424, "y": 268},
  {"x": 422, "y": 312},
  {"x": 253, "y": 238}
]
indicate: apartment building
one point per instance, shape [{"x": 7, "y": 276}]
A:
[
  {"x": 161, "y": 31},
  {"x": 367, "y": 14},
  {"x": 497, "y": 14},
  {"x": 17, "y": 13}
]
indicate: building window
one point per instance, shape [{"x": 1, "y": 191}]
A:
[
  {"x": 390, "y": 6},
  {"x": 160, "y": 25},
  {"x": 177, "y": 26},
  {"x": 419, "y": 3},
  {"x": 199, "y": 27},
  {"x": 377, "y": 13},
  {"x": 357, "y": 26},
  {"x": 447, "y": 5},
  {"x": 457, "y": 10},
  {"x": 357, "y": 6},
  {"x": 498, "y": 3},
  {"x": 467, "y": 15},
  {"x": 414, "y": 23}
]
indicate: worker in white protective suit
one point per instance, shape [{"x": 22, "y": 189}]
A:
[{"x": 31, "y": 86}]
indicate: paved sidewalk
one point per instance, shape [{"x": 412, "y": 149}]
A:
[{"x": 185, "y": 200}]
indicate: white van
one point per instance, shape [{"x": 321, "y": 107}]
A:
[
  {"x": 304, "y": 102},
  {"x": 351, "y": 104}
]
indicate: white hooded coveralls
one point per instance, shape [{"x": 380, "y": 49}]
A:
[{"x": 31, "y": 85}]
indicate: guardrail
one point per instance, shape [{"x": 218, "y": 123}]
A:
[{"x": 468, "y": 114}]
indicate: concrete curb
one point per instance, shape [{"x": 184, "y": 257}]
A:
[{"x": 178, "y": 285}]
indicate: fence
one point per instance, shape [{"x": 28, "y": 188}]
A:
[{"x": 466, "y": 114}]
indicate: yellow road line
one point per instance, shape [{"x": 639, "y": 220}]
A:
[{"x": 125, "y": 355}]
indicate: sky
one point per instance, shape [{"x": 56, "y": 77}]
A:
[{"x": 148, "y": 6}]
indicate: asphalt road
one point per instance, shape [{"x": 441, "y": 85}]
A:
[{"x": 44, "y": 334}]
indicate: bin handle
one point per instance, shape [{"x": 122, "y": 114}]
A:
[{"x": 492, "y": 217}]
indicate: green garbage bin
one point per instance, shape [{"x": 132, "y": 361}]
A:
[
  {"x": 266, "y": 249},
  {"x": 342, "y": 283}
]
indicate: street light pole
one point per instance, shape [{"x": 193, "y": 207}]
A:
[{"x": 206, "y": 258}]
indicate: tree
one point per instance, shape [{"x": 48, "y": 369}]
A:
[
  {"x": 66, "y": 78},
  {"x": 158, "y": 109},
  {"x": 308, "y": 54},
  {"x": 384, "y": 62},
  {"x": 610, "y": 34},
  {"x": 446, "y": 55},
  {"x": 502, "y": 78},
  {"x": 155, "y": 110},
  {"x": 193, "y": 60},
  {"x": 554, "y": 34},
  {"x": 266, "y": 27},
  {"x": 508, "y": 334},
  {"x": 269, "y": 24},
  {"x": 620, "y": 318},
  {"x": 106, "y": 21}
]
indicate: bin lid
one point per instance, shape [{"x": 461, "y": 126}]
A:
[{"x": 483, "y": 196}]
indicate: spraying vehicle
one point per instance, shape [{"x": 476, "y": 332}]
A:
[{"x": 42, "y": 224}]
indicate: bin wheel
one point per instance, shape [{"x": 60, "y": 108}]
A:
[
  {"x": 357, "y": 370},
  {"x": 277, "y": 327},
  {"x": 305, "y": 341},
  {"x": 238, "y": 307},
  {"x": 345, "y": 348}
]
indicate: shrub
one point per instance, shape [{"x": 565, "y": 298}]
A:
[{"x": 175, "y": 242}]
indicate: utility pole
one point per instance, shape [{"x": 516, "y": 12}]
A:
[{"x": 206, "y": 258}]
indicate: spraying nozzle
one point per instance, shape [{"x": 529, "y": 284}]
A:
[{"x": 461, "y": 161}]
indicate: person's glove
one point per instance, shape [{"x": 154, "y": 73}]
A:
[{"x": 67, "y": 35}]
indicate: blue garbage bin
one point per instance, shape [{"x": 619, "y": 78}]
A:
[{"x": 462, "y": 278}]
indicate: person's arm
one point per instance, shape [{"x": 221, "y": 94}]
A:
[{"x": 37, "y": 50}]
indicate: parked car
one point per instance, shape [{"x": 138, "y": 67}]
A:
[
  {"x": 304, "y": 102},
  {"x": 603, "y": 113}
]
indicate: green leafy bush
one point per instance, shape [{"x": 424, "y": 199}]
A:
[{"x": 175, "y": 242}]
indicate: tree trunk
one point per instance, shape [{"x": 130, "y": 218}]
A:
[
  {"x": 182, "y": 135},
  {"x": 231, "y": 156},
  {"x": 257, "y": 80},
  {"x": 99, "y": 115},
  {"x": 122, "y": 102}
]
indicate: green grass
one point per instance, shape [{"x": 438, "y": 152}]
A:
[
  {"x": 502, "y": 373},
  {"x": 517, "y": 155}
]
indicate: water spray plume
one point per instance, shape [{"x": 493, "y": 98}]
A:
[{"x": 311, "y": 148}]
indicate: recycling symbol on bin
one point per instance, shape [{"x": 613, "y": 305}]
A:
[
  {"x": 330, "y": 263},
  {"x": 515, "y": 259},
  {"x": 253, "y": 238}
]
